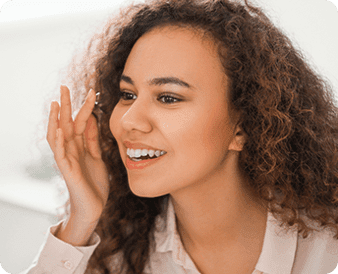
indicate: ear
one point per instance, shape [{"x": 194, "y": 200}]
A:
[{"x": 238, "y": 140}]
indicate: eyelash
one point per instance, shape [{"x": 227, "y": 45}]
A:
[{"x": 122, "y": 94}]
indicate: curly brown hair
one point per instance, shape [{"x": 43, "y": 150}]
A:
[{"x": 286, "y": 110}]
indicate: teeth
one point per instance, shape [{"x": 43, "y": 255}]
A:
[
  {"x": 137, "y": 153},
  {"x": 151, "y": 152}
]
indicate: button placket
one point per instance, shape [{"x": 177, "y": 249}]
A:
[{"x": 67, "y": 264}]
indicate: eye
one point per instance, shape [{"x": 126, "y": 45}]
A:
[
  {"x": 126, "y": 96},
  {"x": 165, "y": 98},
  {"x": 168, "y": 98}
]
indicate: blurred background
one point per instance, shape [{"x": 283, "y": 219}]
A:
[{"x": 37, "y": 40}]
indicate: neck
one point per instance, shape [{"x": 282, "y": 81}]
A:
[{"x": 218, "y": 214}]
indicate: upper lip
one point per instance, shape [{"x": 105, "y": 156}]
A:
[{"x": 138, "y": 146}]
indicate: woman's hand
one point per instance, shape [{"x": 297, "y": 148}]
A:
[{"x": 77, "y": 153}]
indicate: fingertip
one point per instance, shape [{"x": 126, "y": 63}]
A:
[
  {"x": 54, "y": 105},
  {"x": 53, "y": 111},
  {"x": 91, "y": 94},
  {"x": 64, "y": 89}
]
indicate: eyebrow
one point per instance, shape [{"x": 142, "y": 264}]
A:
[{"x": 159, "y": 81}]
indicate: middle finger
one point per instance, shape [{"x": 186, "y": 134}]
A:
[
  {"x": 84, "y": 113},
  {"x": 66, "y": 121}
]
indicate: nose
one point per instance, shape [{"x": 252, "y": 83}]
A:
[{"x": 137, "y": 117}]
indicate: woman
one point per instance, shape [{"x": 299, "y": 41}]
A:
[{"x": 211, "y": 148}]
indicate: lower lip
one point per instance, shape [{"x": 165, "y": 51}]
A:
[{"x": 141, "y": 164}]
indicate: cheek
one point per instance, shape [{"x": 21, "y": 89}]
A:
[
  {"x": 206, "y": 131},
  {"x": 181, "y": 129},
  {"x": 191, "y": 139},
  {"x": 218, "y": 131}
]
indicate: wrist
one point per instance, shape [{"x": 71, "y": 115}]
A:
[{"x": 76, "y": 232}]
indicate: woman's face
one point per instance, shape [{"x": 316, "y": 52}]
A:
[{"x": 191, "y": 124}]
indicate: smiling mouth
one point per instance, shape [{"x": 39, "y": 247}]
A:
[
  {"x": 141, "y": 162},
  {"x": 138, "y": 159}
]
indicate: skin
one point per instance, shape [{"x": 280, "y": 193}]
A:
[
  {"x": 77, "y": 153},
  {"x": 221, "y": 223}
]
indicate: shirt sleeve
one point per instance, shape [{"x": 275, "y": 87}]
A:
[{"x": 56, "y": 256}]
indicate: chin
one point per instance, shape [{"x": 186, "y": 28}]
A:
[{"x": 144, "y": 192}]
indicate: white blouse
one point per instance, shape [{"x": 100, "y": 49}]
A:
[{"x": 282, "y": 253}]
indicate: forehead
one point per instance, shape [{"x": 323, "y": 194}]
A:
[{"x": 175, "y": 52}]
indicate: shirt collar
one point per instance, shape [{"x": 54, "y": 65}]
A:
[
  {"x": 277, "y": 256},
  {"x": 279, "y": 248}
]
